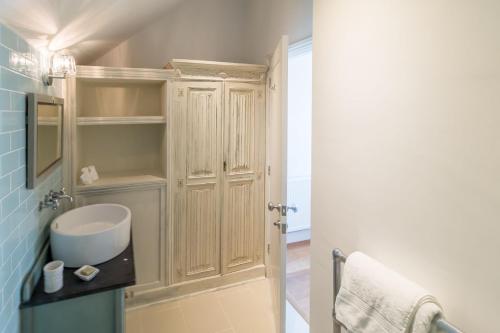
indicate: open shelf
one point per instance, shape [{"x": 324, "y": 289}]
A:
[
  {"x": 121, "y": 179},
  {"x": 120, "y": 130},
  {"x": 120, "y": 99},
  {"x": 88, "y": 121},
  {"x": 122, "y": 154}
]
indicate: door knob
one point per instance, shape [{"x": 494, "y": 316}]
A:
[
  {"x": 282, "y": 209},
  {"x": 271, "y": 206}
]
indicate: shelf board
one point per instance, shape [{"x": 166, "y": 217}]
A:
[
  {"x": 121, "y": 180},
  {"x": 115, "y": 74},
  {"x": 88, "y": 121}
]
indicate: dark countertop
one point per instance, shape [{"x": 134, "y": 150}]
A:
[{"x": 119, "y": 272}]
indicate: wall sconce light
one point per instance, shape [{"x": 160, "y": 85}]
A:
[{"x": 61, "y": 65}]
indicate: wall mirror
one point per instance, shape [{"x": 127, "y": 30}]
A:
[{"x": 45, "y": 129}]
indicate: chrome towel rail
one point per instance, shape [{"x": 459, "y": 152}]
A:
[{"x": 338, "y": 259}]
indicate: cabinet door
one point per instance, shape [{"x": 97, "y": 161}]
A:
[
  {"x": 147, "y": 204},
  {"x": 197, "y": 154},
  {"x": 244, "y": 160}
]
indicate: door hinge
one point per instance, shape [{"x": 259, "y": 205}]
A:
[
  {"x": 268, "y": 248},
  {"x": 268, "y": 170},
  {"x": 224, "y": 166}
]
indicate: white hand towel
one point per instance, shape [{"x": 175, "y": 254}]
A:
[
  {"x": 93, "y": 173},
  {"x": 375, "y": 299},
  {"x": 85, "y": 177}
]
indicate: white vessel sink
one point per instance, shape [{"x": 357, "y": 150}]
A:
[{"x": 90, "y": 235}]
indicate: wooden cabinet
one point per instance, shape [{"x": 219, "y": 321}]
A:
[
  {"x": 118, "y": 124},
  {"x": 147, "y": 204},
  {"x": 219, "y": 161},
  {"x": 184, "y": 149}
]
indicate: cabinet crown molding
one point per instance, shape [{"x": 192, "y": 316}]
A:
[
  {"x": 199, "y": 69},
  {"x": 179, "y": 69}
]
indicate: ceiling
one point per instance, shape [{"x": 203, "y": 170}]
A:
[{"x": 87, "y": 28}]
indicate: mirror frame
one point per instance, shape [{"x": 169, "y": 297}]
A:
[{"x": 33, "y": 179}]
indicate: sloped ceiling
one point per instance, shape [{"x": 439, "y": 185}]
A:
[{"x": 87, "y": 28}]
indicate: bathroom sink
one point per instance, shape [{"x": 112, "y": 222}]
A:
[{"x": 90, "y": 235}]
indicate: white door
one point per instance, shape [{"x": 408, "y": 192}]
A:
[{"x": 277, "y": 179}]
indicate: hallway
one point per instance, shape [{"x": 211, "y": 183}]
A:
[{"x": 298, "y": 276}]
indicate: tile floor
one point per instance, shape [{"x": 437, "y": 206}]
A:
[
  {"x": 242, "y": 309},
  {"x": 245, "y": 308}
]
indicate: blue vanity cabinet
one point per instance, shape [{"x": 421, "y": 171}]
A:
[
  {"x": 97, "y": 313},
  {"x": 96, "y": 306}
]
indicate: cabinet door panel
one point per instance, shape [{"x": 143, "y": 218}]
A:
[
  {"x": 197, "y": 155},
  {"x": 201, "y": 139},
  {"x": 147, "y": 207},
  {"x": 240, "y": 133},
  {"x": 239, "y": 223},
  {"x": 202, "y": 228},
  {"x": 244, "y": 144}
]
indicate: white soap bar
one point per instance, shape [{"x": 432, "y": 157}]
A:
[{"x": 86, "y": 273}]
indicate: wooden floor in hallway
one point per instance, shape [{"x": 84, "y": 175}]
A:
[{"x": 298, "y": 277}]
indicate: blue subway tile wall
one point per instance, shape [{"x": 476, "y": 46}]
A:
[{"x": 23, "y": 228}]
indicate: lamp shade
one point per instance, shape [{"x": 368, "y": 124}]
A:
[{"x": 63, "y": 64}]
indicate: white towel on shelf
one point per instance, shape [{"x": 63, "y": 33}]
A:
[
  {"x": 93, "y": 173},
  {"x": 375, "y": 299},
  {"x": 85, "y": 177}
]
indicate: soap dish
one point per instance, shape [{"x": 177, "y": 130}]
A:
[{"x": 87, "y": 272}]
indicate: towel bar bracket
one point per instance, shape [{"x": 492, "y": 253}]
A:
[{"x": 338, "y": 258}]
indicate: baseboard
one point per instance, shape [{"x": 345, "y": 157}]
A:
[
  {"x": 298, "y": 236},
  {"x": 189, "y": 288}
]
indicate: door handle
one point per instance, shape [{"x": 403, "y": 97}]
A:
[
  {"x": 293, "y": 208},
  {"x": 271, "y": 206},
  {"x": 282, "y": 226},
  {"x": 282, "y": 209}
]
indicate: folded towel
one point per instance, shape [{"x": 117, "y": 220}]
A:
[
  {"x": 86, "y": 177},
  {"x": 93, "y": 173},
  {"x": 375, "y": 299}
]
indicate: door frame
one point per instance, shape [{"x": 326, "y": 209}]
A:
[{"x": 268, "y": 172}]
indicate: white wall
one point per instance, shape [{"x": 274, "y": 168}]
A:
[
  {"x": 268, "y": 20},
  {"x": 299, "y": 135},
  {"x": 219, "y": 30},
  {"x": 406, "y": 148},
  {"x": 194, "y": 29}
]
